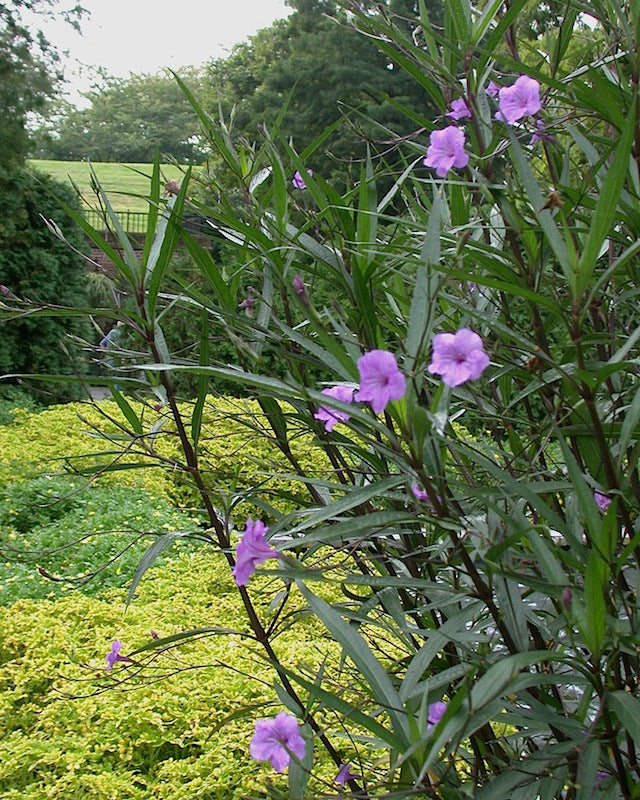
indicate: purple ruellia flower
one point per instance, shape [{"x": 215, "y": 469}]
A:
[
  {"x": 345, "y": 775},
  {"x": 492, "y": 89},
  {"x": 276, "y": 739},
  {"x": 418, "y": 493},
  {"x": 519, "y": 100},
  {"x": 603, "y": 502},
  {"x": 458, "y": 357},
  {"x": 446, "y": 150},
  {"x": 380, "y": 379},
  {"x": 435, "y": 712},
  {"x": 298, "y": 180},
  {"x": 331, "y": 416},
  {"x": 601, "y": 775},
  {"x": 252, "y": 549},
  {"x": 459, "y": 110},
  {"x": 114, "y": 655}
]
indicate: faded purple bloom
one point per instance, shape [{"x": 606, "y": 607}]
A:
[
  {"x": 446, "y": 150},
  {"x": 435, "y": 712},
  {"x": 492, "y": 89},
  {"x": 601, "y": 775},
  {"x": 247, "y": 305},
  {"x": 171, "y": 187},
  {"x": 566, "y": 597},
  {"x": 252, "y": 549},
  {"x": 419, "y": 494},
  {"x": 276, "y": 739},
  {"x": 459, "y": 110},
  {"x": 298, "y": 180},
  {"x": 458, "y": 357},
  {"x": 114, "y": 655},
  {"x": 5, "y": 290},
  {"x": 540, "y": 134},
  {"x": 331, "y": 416},
  {"x": 345, "y": 775},
  {"x": 380, "y": 379},
  {"x": 519, "y": 100},
  {"x": 603, "y": 502}
]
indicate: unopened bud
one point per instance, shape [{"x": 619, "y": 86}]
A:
[{"x": 300, "y": 289}]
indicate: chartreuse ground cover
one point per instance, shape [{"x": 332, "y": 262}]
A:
[{"x": 67, "y": 729}]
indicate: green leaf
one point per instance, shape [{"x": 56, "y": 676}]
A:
[
  {"x": 127, "y": 410},
  {"x": 300, "y": 771},
  {"x": 354, "y": 645},
  {"x": 626, "y": 707},
  {"x": 150, "y": 557},
  {"x": 607, "y": 205}
]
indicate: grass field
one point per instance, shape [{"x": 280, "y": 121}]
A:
[{"x": 125, "y": 184}]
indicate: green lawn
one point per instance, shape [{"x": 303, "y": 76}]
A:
[{"x": 126, "y": 184}]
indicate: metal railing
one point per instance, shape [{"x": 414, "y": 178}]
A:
[
  {"x": 136, "y": 222},
  {"x": 131, "y": 221}
]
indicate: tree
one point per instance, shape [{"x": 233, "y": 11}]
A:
[
  {"x": 323, "y": 70},
  {"x": 29, "y": 74},
  {"x": 128, "y": 120}
]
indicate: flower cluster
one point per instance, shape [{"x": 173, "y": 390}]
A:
[{"x": 446, "y": 146}]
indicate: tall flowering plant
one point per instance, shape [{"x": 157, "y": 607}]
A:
[{"x": 463, "y": 351}]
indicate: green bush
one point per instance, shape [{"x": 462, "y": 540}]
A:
[
  {"x": 91, "y": 537},
  {"x": 37, "y": 266}
]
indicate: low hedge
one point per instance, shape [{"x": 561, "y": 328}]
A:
[{"x": 177, "y": 728}]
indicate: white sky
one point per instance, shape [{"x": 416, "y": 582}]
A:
[{"x": 126, "y": 36}]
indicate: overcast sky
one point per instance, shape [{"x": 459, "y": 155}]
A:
[{"x": 126, "y": 36}]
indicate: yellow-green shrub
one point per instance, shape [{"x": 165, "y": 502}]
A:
[
  {"x": 233, "y": 457},
  {"x": 167, "y": 730}
]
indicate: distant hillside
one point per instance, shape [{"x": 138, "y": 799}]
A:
[{"x": 126, "y": 184}]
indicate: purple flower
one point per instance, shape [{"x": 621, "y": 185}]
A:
[
  {"x": 601, "y": 775},
  {"x": 345, "y": 775},
  {"x": 298, "y": 180},
  {"x": 459, "y": 110},
  {"x": 603, "y": 502},
  {"x": 331, "y": 416},
  {"x": 276, "y": 739},
  {"x": 435, "y": 712},
  {"x": 519, "y": 100},
  {"x": 252, "y": 549},
  {"x": 458, "y": 357},
  {"x": 5, "y": 290},
  {"x": 380, "y": 379},
  {"x": 492, "y": 89},
  {"x": 566, "y": 597},
  {"x": 540, "y": 134},
  {"x": 114, "y": 655},
  {"x": 419, "y": 494},
  {"x": 446, "y": 150}
]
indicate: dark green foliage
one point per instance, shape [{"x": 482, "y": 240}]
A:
[
  {"x": 37, "y": 266},
  {"x": 129, "y": 119}
]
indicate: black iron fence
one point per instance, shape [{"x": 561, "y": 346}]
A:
[
  {"x": 131, "y": 221},
  {"x": 136, "y": 222}
]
